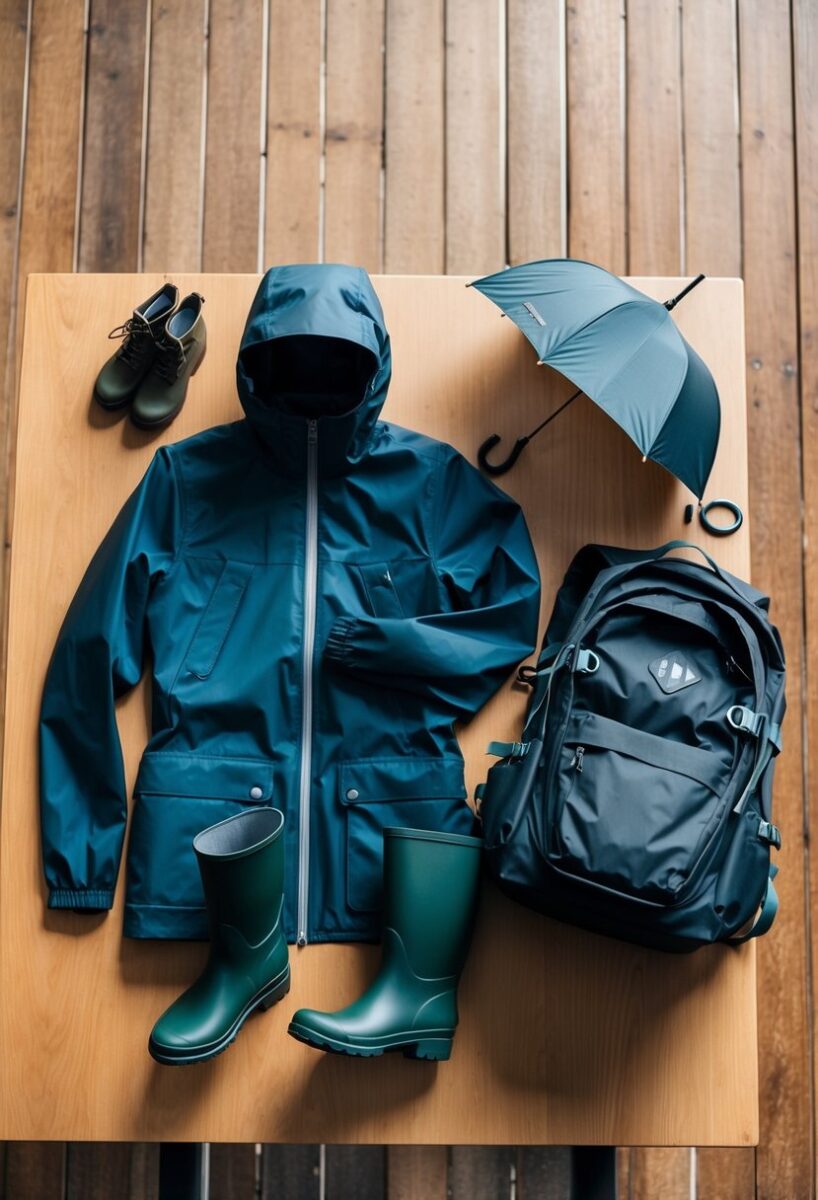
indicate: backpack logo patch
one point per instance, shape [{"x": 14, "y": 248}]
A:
[{"x": 672, "y": 671}]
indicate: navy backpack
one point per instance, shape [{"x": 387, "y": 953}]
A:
[{"x": 638, "y": 801}]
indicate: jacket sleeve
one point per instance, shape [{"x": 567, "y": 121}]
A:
[
  {"x": 98, "y": 657},
  {"x": 488, "y": 620}
]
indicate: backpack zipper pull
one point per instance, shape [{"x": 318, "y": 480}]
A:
[{"x": 576, "y": 761}]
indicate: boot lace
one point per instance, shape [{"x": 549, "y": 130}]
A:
[
  {"x": 170, "y": 358},
  {"x": 137, "y": 336}
]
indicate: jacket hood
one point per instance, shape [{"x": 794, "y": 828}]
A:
[{"x": 315, "y": 347}]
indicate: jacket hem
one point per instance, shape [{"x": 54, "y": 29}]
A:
[
  {"x": 91, "y": 899},
  {"x": 165, "y": 921},
  {"x": 190, "y": 924}
]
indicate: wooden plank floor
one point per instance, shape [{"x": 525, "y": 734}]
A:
[{"x": 651, "y": 136}]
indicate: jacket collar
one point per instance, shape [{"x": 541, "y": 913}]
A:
[{"x": 315, "y": 348}]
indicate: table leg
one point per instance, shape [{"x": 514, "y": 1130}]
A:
[
  {"x": 183, "y": 1171},
  {"x": 593, "y": 1173}
]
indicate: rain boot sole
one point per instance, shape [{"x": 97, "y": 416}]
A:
[
  {"x": 141, "y": 423},
  {"x": 263, "y": 1000},
  {"x": 436, "y": 1045}
]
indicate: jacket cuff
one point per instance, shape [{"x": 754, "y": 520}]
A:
[
  {"x": 87, "y": 899},
  {"x": 338, "y": 648}
]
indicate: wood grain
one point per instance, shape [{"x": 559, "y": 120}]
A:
[
  {"x": 536, "y": 130},
  {"x": 481, "y": 1172},
  {"x": 712, "y": 181},
  {"x": 544, "y": 1173},
  {"x": 110, "y": 216},
  {"x": 232, "y": 1172},
  {"x": 172, "y": 232},
  {"x": 597, "y": 219},
  {"x": 784, "y": 1160},
  {"x": 233, "y": 147},
  {"x": 50, "y": 180},
  {"x": 725, "y": 1174},
  {"x": 354, "y": 133},
  {"x": 414, "y": 156},
  {"x": 805, "y": 68},
  {"x": 111, "y": 1171},
  {"x": 475, "y": 171},
  {"x": 596, "y": 1041},
  {"x": 654, "y": 137},
  {"x": 358, "y": 1171},
  {"x": 34, "y": 1171},
  {"x": 293, "y": 138},
  {"x": 291, "y": 1173},
  {"x": 417, "y": 1173},
  {"x": 648, "y": 1174},
  {"x": 14, "y": 42}
]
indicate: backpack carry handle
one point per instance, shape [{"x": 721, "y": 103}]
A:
[{"x": 680, "y": 544}]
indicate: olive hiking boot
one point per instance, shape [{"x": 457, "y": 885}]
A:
[
  {"x": 117, "y": 382},
  {"x": 179, "y": 352}
]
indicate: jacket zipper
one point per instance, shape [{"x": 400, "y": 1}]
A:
[{"x": 310, "y": 590}]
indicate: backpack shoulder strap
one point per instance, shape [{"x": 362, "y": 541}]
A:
[{"x": 766, "y": 913}]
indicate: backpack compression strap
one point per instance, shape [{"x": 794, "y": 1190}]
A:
[{"x": 766, "y": 913}]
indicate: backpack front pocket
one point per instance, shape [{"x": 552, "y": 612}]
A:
[{"x": 633, "y": 811}]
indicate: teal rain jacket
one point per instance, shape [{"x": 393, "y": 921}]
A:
[{"x": 321, "y": 594}]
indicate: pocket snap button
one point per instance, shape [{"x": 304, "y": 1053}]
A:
[
  {"x": 256, "y": 792},
  {"x": 352, "y": 794}
]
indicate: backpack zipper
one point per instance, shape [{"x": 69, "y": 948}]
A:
[
  {"x": 576, "y": 761},
  {"x": 308, "y": 654}
]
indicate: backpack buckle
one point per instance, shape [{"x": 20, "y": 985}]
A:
[
  {"x": 744, "y": 720},
  {"x": 770, "y": 833},
  {"x": 508, "y": 749},
  {"x": 586, "y": 662}
]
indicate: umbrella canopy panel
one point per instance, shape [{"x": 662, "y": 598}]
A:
[{"x": 624, "y": 351}]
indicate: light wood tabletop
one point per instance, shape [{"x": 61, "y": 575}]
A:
[{"x": 565, "y": 1037}]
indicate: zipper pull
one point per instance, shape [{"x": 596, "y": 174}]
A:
[
  {"x": 576, "y": 761},
  {"x": 312, "y": 430}
]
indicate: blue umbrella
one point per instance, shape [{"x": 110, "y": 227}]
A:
[{"x": 621, "y": 349}]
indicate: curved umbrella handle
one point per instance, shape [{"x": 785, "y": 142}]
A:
[{"x": 507, "y": 463}]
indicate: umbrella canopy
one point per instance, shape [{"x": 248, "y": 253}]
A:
[{"x": 624, "y": 351}]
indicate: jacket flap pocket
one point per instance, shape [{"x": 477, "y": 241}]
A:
[
  {"x": 380, "y": 589},
  {"x": 210, "y": 776},
  {"x": 370, "y": 780},
  {"x": 217, "y": 618}
]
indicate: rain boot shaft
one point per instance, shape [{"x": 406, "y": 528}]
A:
[
  {"x": 431, "y": 884},
  {"x": 241, "y": 861}
]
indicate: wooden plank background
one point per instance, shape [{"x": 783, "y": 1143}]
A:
[{"x": 652, "y": 136}]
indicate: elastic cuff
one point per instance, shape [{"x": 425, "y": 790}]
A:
[
  {"x": 88, "y": 899},
  {"x": 338, "y": 648}
]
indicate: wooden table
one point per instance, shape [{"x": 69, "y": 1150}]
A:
[{"x": 565, "y": 1037}]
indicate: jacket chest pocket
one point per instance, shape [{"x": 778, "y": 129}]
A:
[
  {"x": 380, "y": 590},
  {"x": 217, "y": 619},
  {"x": 408, "y": 793},
  {"x": 177, "y": 796}
]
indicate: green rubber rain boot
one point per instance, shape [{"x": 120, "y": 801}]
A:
[
  {"x": 179, "y": 353},
  {"x": 431, "y": 883},
  {"x": 241, "y": 861}
]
